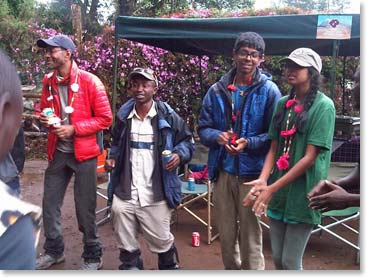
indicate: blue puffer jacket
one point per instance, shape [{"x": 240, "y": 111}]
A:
[
  {"x": 170, "y": 132},
  {"x": 256, "y": 114}
]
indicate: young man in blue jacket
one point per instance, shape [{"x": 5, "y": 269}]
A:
[
  {"x": 233, "y": 123},
  {"x": 146, "y": 188}
]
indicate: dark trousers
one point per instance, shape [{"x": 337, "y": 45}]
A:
[{"x": 57, "y": 177}]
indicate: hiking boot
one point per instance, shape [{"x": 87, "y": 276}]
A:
[
  {"x": 47, "y": 260},
  {"x": 138, "y": 266},
  {"x": 168, "y": 260},
  {"x": 91, "y": 265}
]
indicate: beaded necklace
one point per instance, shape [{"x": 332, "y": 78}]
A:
[
  {"x": 232, "y": 88},
  {"x": 69, "y": 109},
  {"x": 287, "y": 134}
]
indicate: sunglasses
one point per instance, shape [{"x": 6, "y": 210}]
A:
[
  {"x": 52, "y": 50},
  {"x": 144, "y": 70}
]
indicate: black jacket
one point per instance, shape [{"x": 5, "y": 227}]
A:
[{"x": 170, "y": 132}]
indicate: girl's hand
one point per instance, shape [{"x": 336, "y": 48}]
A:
[
  {"x": 257, "y": 187},
  {"x": 262, "y": 201}
]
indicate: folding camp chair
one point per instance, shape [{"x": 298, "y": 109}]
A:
[
  {"x": 201, "y": 192},
  {"x": 341, "y": 218},
  {"x": 103, "y": 186}
]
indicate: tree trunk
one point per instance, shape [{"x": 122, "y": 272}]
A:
[
  {"x": 126, "y": 7},
  {"x": 93, "y": 11},
  {"x": 76, "y": 17}
]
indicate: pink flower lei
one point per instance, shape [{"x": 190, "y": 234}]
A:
[{"x": 287, "y": 134}]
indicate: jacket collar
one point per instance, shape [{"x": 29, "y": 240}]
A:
[
  {"x": 73, "y": 72},
  {"x": 152, "y": 112},
  {"x": 227, "y": 79}
]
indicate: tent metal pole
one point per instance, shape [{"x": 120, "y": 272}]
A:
[
  {"x": 333, "y": 68},
  {"x": 201, "y": 78},
  {"x": 114, "y": 82},
  {"x": 343, "y": 97}
]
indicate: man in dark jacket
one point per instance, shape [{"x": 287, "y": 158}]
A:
[
  {"x": 233, "y": 123},
  {"x": 146, "y": 187}
]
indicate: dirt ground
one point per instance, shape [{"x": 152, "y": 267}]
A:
[{"x": 322, "y": 253}]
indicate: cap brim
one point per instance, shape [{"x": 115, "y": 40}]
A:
[
  {"x": 43, "y": 43},
  {"x": 145, "y": 75},
  {"x": 297, "y": 61}
]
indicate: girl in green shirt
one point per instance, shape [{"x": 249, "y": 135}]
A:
[{"x": 301, "y": 133}]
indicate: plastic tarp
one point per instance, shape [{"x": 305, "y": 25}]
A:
[{"x": 216, "y": 36}]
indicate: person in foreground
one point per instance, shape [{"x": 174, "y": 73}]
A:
[
  {"x": 234, "y": 122},
  {"x": 75, "y": 107},
  {"x": 146, "y": 187},
  {"x": 345, "y": 192},
  {"x": 298, "y": 158},
  {"x": 20, "y": 222},
  {"x": 12, "y": 165}
]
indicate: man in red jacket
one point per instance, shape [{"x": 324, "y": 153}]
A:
[{"x": 75, "y": 109}]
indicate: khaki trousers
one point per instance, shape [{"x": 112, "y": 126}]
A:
[
  {"x": 240, "y": 232},
  {"x": 152, "y": 221}
]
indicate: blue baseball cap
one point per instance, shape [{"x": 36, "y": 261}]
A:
[{"x": 57, "y": 41}]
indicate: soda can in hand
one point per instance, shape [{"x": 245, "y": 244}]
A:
[
  {"x": 167, "y": 155},
  {"x": 48, "y": 111}
]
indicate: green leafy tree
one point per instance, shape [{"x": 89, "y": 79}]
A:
[
  {"x": 340, "y": 6},
  {"x": 154, "y": 8},
  {"x": 318, "y": 5},
  {"x": 301, "y": 4},
  {"x": 15, "y": 16},
  {"x": 227, "y": 4},
  {"x": 20, "y": 10},
  {"x": 90, "y": 15},
  {"x": 56, "y": 15}
]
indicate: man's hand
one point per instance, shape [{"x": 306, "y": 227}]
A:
[
  {"x": 240, "y": 145},
  {"x": 321, "y": 188},
  {"x": 43, "y": 120},
  {"x": 109, "y": 164},
  {"x": 174, "y": 162},
  {"x": 224, "y": 137},
  {"x": 64, "y": 131},
  {"x": 327, "y": 196}
]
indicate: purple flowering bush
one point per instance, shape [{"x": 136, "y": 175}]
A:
[{"x": 178, "y": 74}]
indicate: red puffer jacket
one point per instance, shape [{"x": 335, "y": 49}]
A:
[{"x": 92, "y": 111}]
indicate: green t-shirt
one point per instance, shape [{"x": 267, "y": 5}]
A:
[{"x": 290, "y": 202}]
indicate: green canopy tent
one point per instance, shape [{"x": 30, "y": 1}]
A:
[{"x": 216, "y": 36}]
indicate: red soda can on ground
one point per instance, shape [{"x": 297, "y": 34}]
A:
[{"x": 195, "y": 239}]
